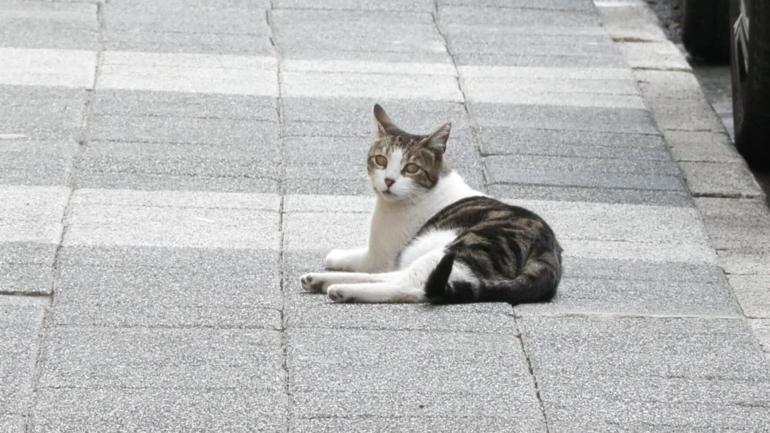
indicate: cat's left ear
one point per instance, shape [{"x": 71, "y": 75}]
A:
[{"x": 437, "y": 140}]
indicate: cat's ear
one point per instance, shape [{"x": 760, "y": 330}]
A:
[
  {"x": 437, "y": 140},
  {"x": 383, "y": 122}
]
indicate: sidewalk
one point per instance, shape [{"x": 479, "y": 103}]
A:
[{"x": 169, "y": 169}]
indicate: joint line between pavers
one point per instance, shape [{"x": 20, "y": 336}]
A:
[
  {"x": 524, "y": 351},
  {"x": 69, "y": 181},
  {"x": 281, "y": 212},
  {"x": 476, "y": 136}
]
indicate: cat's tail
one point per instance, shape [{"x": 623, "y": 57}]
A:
[{"x": 536, "y": 283}]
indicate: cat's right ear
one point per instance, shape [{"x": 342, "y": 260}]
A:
[{"x": 382, "y": 121}]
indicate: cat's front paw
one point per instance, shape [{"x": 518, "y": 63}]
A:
[
  {"x": 313, "y": 283},
  {"x": 339, "y": 294}
]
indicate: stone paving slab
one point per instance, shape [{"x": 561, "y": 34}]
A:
[
  {"x": 183, "y": 72},
  {"x": 179, "y": 166},
  {"x": 36, "y": 162},
  {"x": 173, "y": 219},
  {"x": 47, "y": 67},
  {"x": 414, "y": 365},
  {"x": 113, "y": 410},
  {"x": 540, "y": 170},
  {"x": 162, "y": 358},
  {"x": 720, "y": 179},
  {"x": 48, "y": 25},
  {"x": 753, "y": 293},
  {"x": 589, "y": 194},
  {"x": 640, "y": 373},
  {"x": 586, "y": 144},
  {"x": 369, "y": 5},
  {"x": 701, "y": 146},
  {"x": 735, "y": 223},
  {"x": 595, "y": 119},
  {"x": 26, "y": 267},
  {"x": 167, "y": 287},
  {"x": 761, "y": 329},
  {"x": 32, "y": 213},
  {"x": 41, "y": 112},
  {"x": 561, "y": 5},
  {"x": 491, "y": 16},
  {"x": 20, "y": 324}
]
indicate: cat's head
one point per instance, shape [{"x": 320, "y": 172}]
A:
[{"x": 403, "y": 166}]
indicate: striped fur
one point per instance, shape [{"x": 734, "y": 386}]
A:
[{"x": 433, "y": 238}]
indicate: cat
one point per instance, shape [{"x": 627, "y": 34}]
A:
[{"x": 434, "y": 238}]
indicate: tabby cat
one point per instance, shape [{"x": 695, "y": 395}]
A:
[{"x": 433, "y": 238}]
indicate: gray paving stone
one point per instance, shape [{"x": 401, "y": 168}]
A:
[
  {"x": 32, "y": 213},
  {"x": 720, "y": 179},
  {"x": 369, "y": 5},
  {"x": 41, "y": 112},
  {"x": 361, "y": 367},
  {"x": 177, "y": 104},
  {"x": 168, "y": 287},
  {"x": 683, "y": 114},
  {"x": 641, "y": 270},
  {"x": 10, "y": 423},
  {"x": 300, "y": 30},
  {"x": 597, "y": 173},
  {"x": 526, "y": 44},
  {"x": 587, "y": 144},
  {"x": 183, "y": 130},
  {"x": 547, "y": 60},
  {"x": 736, "y": 223},
  {"x": 753, "y": 293},
  {"x": 48, "y": 25},
  {"x": 561, "y": 5},
  {"x": 761, "y": 328},
  {"x": 181, "y": 42},
  {"x": 113, "y": 410},
  {"x": 414, "y": 116},
  {"x": 182, "y": 358},
  {"x": 618, "y": 296},
  {"x": 564, "y": 118},
  {"x": 407, "y": 425},
  {"x": 701, "y": 146},
  {"x": 26, "y": 267},
  {"x": 36, "y": 162},
  {"x": 630, "y": 21},
  {"x": 206, "y": 167},
  {"x": 492, "y": 16},
  {"x": 648, "y": 374},
  {"x": 173, "y": 219},
  {"x": 20, "y": 322},
  {"x": 646, "y": 55},
  {"x": 578, "y": 193},
  {"x": 222, "y": 18},
  {"x": 745, "y": 261}
]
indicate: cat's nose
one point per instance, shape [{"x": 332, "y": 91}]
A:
[{"x": 389, "y": 182}]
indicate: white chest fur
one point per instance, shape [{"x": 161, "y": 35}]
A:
[{"x": 394, "y": 224}]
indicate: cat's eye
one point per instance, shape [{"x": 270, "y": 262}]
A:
[
  {"x": 381, "y": 161},
  {"x": 411, "y": 168}
]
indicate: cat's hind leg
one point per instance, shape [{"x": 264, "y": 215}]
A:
[
  {"x": 398, "y": 287},
  {"x": 320, "y": 281},
  {"x": 377, "y": 293},
  {"x": 352, "y": 260}
]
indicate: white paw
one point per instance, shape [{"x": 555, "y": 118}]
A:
[
  {"x": 337, "y": 260},
  {"x": 338, "y": 294},
  {"x": 313, "y": 283}
]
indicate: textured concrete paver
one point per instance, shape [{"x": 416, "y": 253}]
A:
[
  {"x": 197, "y": 73},
  {"x": 20, "y": 322},
  {"x": 47, "y": 67},
  {"x": 641, "y": 373}
]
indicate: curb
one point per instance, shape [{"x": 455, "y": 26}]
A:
[{"x": 729, "y": 199}]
